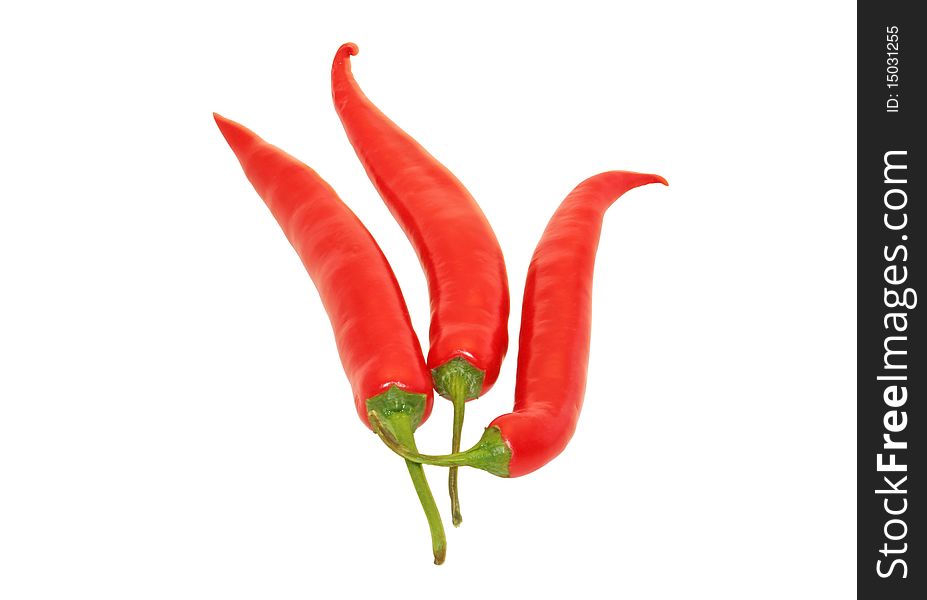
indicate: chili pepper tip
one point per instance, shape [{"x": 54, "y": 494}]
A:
[
  {"x": 222, "y": 122},
  {"x": 348, "y": 49},
  {"x": 237, "y": 135}
]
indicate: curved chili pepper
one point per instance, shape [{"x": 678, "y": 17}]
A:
[
  {"x": 463, "y": 264},
  {"x": 377, "y": 345},
  {"x": 553, "y": 347}
]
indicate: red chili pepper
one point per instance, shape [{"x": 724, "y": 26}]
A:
[
  {"x": 553, "y": 347},
  {"x": 377, "y": 345},
  {"x": 456, "y": 246}
]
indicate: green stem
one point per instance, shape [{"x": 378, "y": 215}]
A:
[
  {"x": 459, "y": 381},
  {"x": 459, "y": 398},
  {"x": 417, "y": 473},
  {"x": 396, "y": 413},
  {"x": 491, "y": 454}
]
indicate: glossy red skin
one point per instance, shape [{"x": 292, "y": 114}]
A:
[
  {"x": 462, "y": 260},
  {"x": 375, "y": 339},
  {"x": 553, "y": 347}
]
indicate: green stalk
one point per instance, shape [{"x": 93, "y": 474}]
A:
[
  {"x": 491, "y": 453},
  {"x": 397, "y": 413},
  {"x": 458, "y": 397},
  {"x": 459, "y": 381}
]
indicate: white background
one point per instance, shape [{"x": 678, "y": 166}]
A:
[{"x": 174, "y": 421}]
